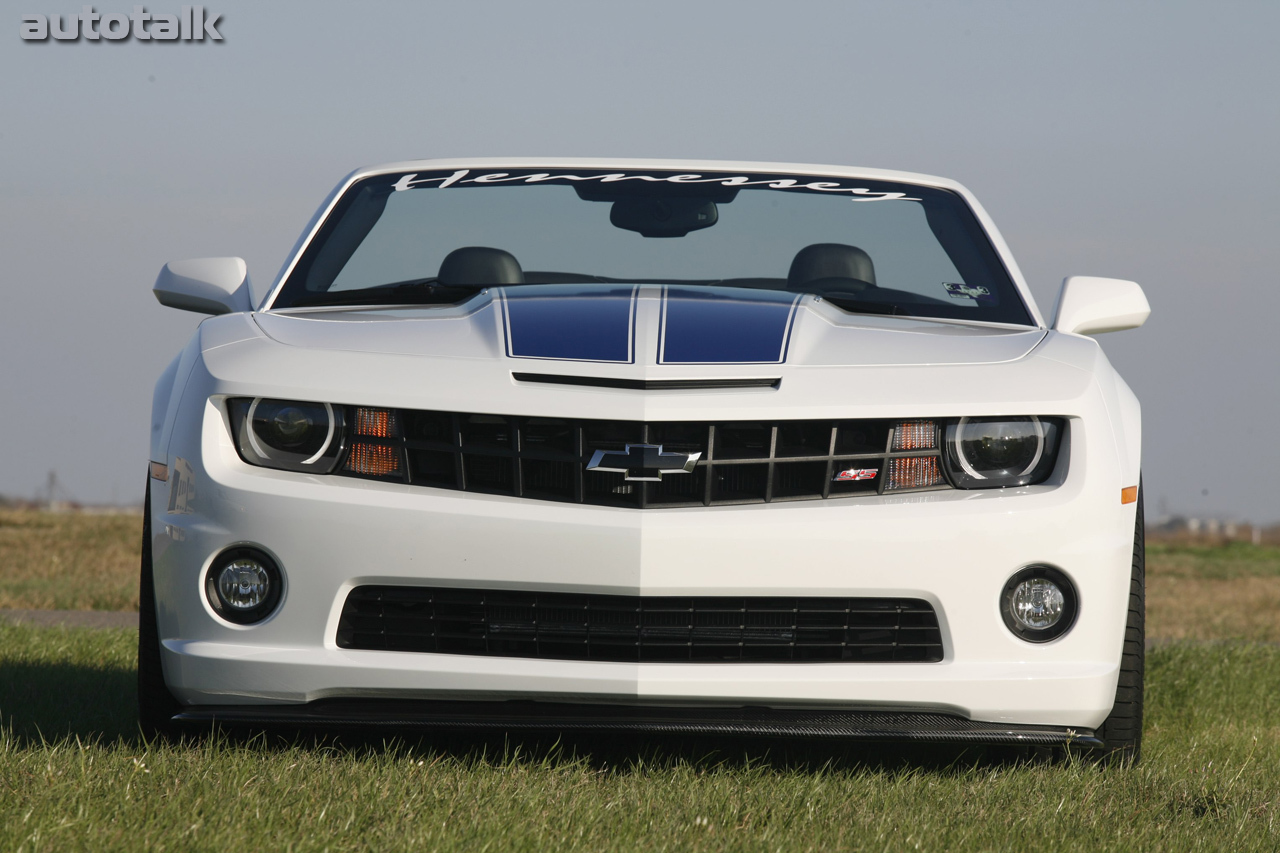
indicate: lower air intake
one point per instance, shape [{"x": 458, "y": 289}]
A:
[{"x": 703, "y": 629}]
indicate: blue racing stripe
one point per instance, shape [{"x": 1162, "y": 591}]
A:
[
  {"x": 570, "y": 323},
  {"x": 723, "y": 326}
]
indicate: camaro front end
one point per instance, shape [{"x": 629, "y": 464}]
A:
[{"x": 702, "y": 447}]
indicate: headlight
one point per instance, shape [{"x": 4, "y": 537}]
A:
[
  {"x": 990, "y": 453},
  {"x": 287, "y": 434}
]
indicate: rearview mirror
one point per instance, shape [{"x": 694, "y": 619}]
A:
[
  {"x": 663, "y": 217},
  {"x": 1090, "y": 306},
  {"x": 205, "y": 285}
]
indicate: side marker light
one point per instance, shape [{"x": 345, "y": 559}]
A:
[{"x": 1129, "y": 495}]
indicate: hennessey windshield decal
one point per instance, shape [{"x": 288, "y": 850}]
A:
[
  {"x": 568, "y": 323},
  {"x": 463, "y": 176},
  {"x": 710, "y": 326}
]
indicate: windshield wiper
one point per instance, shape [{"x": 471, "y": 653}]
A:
[{"x": 421, "y": 292}]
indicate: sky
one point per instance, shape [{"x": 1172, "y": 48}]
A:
[{"x": 1127, "y": 139}]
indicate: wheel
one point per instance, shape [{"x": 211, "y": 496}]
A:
[
  {"x": 156, "y": 705},
  {"x": 1121, "y": 731}
]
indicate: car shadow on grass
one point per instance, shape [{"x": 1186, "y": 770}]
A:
[
  {"x": 626, "y": 752},
  {"x": 43, "y": 702},
  {"x": 51, "y": 701}
]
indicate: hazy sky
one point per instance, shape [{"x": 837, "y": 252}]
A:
[{"x": 1134, "y": 140}]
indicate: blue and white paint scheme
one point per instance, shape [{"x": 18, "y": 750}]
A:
[
  {"x": 571, "y": 322},
  {"x": 710, "y": 325},
  {"x": 446, "y": 378},
  {"x": 697, "y": 325}
]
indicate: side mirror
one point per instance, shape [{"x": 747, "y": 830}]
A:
[
  {"x": 205, "y": 285},
  {"x": 1091, "y": 306}
]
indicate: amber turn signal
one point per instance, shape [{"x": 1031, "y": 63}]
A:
[
  {"x": 375, "y": 460},
  {"x": 1129, "y": 495},
  {"x": 913, "y": 472},
  {"x": 915, "y": 435},
  {"x": 378, "y": 423}
]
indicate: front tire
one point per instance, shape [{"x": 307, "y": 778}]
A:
[
  {"x": 1121, "y": 732},
  {"x": 156, "y": 705}
]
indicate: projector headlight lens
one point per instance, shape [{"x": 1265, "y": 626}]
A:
[
  {"x": 243, "y": 585},
  {"x": 290, "y": 427},
  {"x": 1039, "y": 604},
  {"x": 991, "y": 453},
  {"x": 288, "y": 434}
]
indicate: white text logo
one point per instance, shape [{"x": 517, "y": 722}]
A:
[
  {"x": 193, "y": 24},
  {"x": 409, "y": 182}
]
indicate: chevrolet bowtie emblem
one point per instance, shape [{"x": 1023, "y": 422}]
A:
[{"x": 647, "y": 462}]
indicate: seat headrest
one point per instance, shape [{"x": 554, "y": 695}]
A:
[
  {"x": 830, "y": 260},
  {"x": 472, "y": 265}
]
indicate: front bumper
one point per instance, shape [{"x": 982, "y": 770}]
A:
[{"x": 953, "y": 549}]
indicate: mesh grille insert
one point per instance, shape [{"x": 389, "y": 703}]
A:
[
  {"x": 739, "y": 462},
  {"x": 572, "y": 626}
]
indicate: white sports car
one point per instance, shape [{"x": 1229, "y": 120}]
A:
[{"x": 671, "y": 446}]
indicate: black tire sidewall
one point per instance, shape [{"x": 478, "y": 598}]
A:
[{"x": 156, "y": 705}]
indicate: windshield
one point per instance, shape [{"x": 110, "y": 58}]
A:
[{"x": 866, "y": 246}]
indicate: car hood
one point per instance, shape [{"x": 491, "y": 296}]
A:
[{"x": 649, "y": 331}]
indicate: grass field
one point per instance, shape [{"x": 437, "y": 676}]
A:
[
  {"x": 68, "y": 561},
  {"x": 74, "y": 774},
  {"x": 1224, "y": 592}
]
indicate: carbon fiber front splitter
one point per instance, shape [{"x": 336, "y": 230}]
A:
[{"x": 528, "y": 716}]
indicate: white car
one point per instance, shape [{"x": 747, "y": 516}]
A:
[{"x": 670, "y": 446}]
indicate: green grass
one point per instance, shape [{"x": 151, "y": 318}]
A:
[
  {"x": 75, "y": 775},
  {"x": 1213, "y": 592},
  {"x": 1227, "y": 561}
]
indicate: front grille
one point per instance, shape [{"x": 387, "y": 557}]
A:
[
  {"x": 740, "y": 462},
  {"x": 643, "y": 629}
]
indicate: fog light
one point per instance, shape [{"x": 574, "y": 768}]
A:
[
  {"x": 243, "y": 585},
  {"x": 1039, "y": 604}
]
